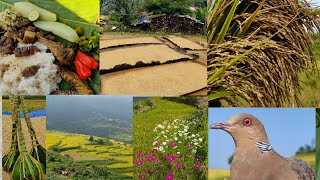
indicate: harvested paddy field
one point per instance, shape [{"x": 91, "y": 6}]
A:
[
  {"x": 152, "y": 65},
  {"x": 39, "y": 125}
]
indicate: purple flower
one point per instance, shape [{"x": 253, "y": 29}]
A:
[
  {"x": 171, "y": 158},
  {"x": 139, "y": 162},
  {"x": 156, "y": 161},
  {"x": 142, "y": 176},
  {"x": 150, "y": 158},
  {"x": 173, "y": 144},
  {"x": 197, "y": 166},
  {"x": 206, "y": 168},
  {"x": 178, "y": 165},
  {"x": 157, "y": 143},
  {"x": 169, "y": 176},
  {"x": 154, "y": 150}
]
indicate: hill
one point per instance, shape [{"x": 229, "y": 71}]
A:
[
  {"x": 80, "y": 157},
  {"x": 104, "y": 116}
]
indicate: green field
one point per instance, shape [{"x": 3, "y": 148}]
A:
[
  {"x": 154, "y": 117},
  {"x": 98, "y": 158},
  {"x": 221, "y": 174},
  {"x": 32, "y": 105}
]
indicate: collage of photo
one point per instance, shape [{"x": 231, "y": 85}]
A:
[{"x": 160, "y": 89}]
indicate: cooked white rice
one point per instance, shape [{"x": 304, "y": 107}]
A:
[{"x": 43, "y": 82}]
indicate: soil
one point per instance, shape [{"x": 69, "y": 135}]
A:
[{"x": 39, "y": 125}]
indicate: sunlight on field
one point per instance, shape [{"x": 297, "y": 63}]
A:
[
  {"x": 219, "y": 174},
  {"x": 118, "y": 150}
]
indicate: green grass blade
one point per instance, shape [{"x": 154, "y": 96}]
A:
[
  {"x": 227, "y": 23},
  {"x": 219, "y": 95}
]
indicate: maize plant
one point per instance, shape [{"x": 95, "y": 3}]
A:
[
  {"x": 22, "y": 164},
  {"x": 256, "y": 49}
]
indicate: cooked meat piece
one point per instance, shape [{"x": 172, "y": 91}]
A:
[
  {"x": 26, "y": 51},
  {"x": 15, "y": 34},
  {"x": 31, "y": 28},
  {"x": 64, "y": 92},
  {"x": 23, "y": 22},
  {"x": 64, "y": 56},
  {"x": 30, "y": 71},
  {"x": 7, "y": 45},
  {"x": 82, "y": 87},
  {"x": 50, "y": 37}
]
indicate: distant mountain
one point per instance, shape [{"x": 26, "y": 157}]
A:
[{"x": 105, "y": 116}]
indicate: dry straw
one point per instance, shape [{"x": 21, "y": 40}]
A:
[{"x": 257, "y": 49}]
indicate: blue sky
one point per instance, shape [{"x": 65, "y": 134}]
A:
[{"x": 287, "y": 129}]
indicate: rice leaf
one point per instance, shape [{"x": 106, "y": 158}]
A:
[{"x": 227, "y": 22}]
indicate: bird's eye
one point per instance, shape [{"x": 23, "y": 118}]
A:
[{"x": 247, "y": 122}]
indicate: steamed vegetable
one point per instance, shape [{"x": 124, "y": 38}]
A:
[
  {"x": 58, "y": 29},
  {"x": 25, "y": 8}
]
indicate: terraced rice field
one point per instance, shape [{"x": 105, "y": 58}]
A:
[
  {"x": 76, "y": 151},
  {"x": 151, "y": 66}
]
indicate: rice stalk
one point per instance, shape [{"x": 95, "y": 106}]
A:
[
  {"x": 264, "y": 75},
  {"x": 9, "y": 159},
  {"x": 37, "y": 151},
  {"x": 26, "y": 167}
]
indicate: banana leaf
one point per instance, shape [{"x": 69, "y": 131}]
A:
[
  {"x": 72, "y": 19},
  {"x": 77, "y": 10}
]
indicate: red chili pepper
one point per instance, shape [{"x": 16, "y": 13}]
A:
[
  {"x": 88, "y": 61},
  {"x": 83, "y": 71}
]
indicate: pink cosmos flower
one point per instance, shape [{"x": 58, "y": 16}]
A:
[
  {"x": 197, "y": 166},
  {"x": 139, "y": 162},
  {"x": 206, "y": 168},
  {"x": 173, "y": 144},
  {"x": 156, "y": 161},
  {"x": 157, "y": 143},
  {"x": 178, "y": 165},
  {"x": 169, "y": 176},
  {"x": 142, "y": 176},
  {"x": 150, "y": 158},
  {"x": 154, "y": 150},
  {"x": 171, "y": 158},
  {"x": 188, "y": 146}
]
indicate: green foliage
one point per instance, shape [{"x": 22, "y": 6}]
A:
[
  {"x": 172, "y": 7},
  {"x": 318, "y": 144},
  {"x": 164, "y": 126}
]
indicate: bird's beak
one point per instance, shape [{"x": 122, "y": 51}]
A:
[{"x": 220, "y": 125}]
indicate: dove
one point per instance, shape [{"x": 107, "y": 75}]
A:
[{"x": 254, "y": 158}]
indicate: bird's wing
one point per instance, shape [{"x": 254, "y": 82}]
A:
[{"x": 302, "y": 169}]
